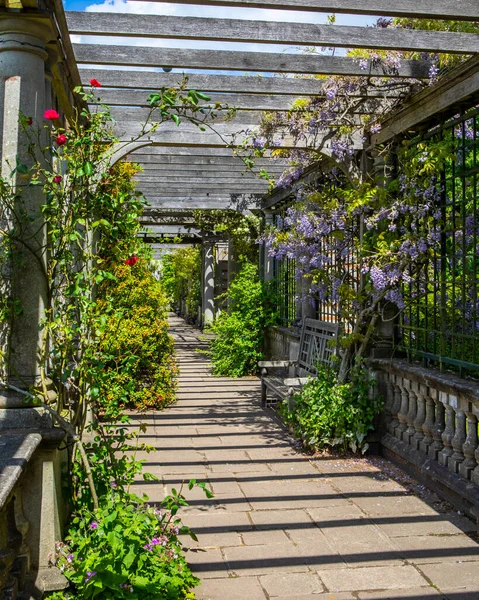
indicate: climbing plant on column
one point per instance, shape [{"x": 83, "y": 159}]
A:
[{"x": 94, "y": 268}]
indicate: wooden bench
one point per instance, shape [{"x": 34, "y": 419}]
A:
[{"x": 314, "y": 347}]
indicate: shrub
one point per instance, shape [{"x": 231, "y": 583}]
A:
[
  {"x": 327, "y": 413},
  {"x": 127, "y": 549},
  {"x": 136, "y": 350},
  {"x": 237, "y": 346}
]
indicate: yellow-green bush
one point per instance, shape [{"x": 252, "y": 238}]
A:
[{"x": 138, "y": 353}]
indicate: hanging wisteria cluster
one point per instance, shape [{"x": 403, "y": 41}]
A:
[{"x": 356, "y": 246}]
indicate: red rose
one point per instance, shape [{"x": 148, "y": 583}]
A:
[
  {"x": 51, "y": 115},
  {"x": 61, "y": 139},
  {"x": 132, "y": 260},
  {"x": 57, "y": 179},
  {"x": 95, "y": 83},
  {"x": 30, "y": 121}
]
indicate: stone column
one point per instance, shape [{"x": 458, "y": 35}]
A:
[
  {"x": 268, "y": 263},
  {"x": 233, "y": 267},
  {"x": 22, "y": 64},
  {"x": 24, "y": 89},
  {"x": 208, "y": 308}
]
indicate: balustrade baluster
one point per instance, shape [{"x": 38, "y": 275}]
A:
[
  {"x": 395, "y": 407},
  {"x": 389, "y": 400},
  {"x": 439, "y": 426},
  {"x": 421, "y": 392},
  {"x": 448, "y": 434},
  {"x": 403, "y": 410},
  {"x": 428, "y": 425},
  {"x": 458, "y": 440},
  {"x": 470, "y": 446},
  {"x": 475, "y": 473},
  {"x": 411, "y": 415}
]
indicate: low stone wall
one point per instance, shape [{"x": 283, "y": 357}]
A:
[
  {"x": 32, "y": 513},
  {"x": 430, "y": 424},
  {"x": 281, "y": 343}
]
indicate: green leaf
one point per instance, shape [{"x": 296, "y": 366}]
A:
[
  {"x": 130, "y": 557},
  {"x": 176, "y": 119}
]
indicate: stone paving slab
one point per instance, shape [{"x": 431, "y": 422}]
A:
[{"x": 285, "y": 526}]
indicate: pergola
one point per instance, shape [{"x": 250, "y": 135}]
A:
[{"x": 185, "y": 168}]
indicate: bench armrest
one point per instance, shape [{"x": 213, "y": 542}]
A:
[
  {"x": 275, "y": 364},
  {"x": 296, "y": 381}
]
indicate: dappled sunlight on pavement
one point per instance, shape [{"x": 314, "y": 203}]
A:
[{"x": 283, "y": 525}]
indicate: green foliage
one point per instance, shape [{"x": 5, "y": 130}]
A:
[
  {"x": 135, "y": 351},
  {"x": 327, "y": 413},
  {"x": 242, "y": 230},
  {"x": 181, "y": 279},
  {"x": 128, "y": 549},
  {"x": 237, "y": 345}
]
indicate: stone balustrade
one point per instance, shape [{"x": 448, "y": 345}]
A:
[
  {"x": 16, "y": 451},
  {"x": 430, "y": 420}
]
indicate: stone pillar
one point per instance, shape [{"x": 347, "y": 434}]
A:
[
  {"x": 208, "y": 308},
  {"x": 22, "y": 64},
  {"x": 268, "y": 262},
  {"x": 233, "y": 267},
  {"x": 23, "y": 89}
]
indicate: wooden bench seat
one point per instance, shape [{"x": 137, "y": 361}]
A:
[{"x": 284, "y": 378}]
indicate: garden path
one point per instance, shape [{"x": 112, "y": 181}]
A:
[{"x": 284, "y": 526}]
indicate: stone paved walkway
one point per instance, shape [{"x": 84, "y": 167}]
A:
[{"x": 284, "y": 527}]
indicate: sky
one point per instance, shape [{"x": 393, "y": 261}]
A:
[{"x": 162, "y": 8}]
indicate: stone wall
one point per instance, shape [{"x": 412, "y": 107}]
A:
[{"x": 281, "y": 343}]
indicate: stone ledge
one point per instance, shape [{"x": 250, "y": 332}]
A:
[
  {"x": 286, "y": 331},
  {"x": 433, "y": 378},
  {"x": 453, "y": 488},
  {"x": 16, "y": 451}
]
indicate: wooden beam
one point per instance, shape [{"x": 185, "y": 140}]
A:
[
  {"x": 198, "y": 201},
  {"x": 457, "y": 10},
  {"x": 187, "y": 135},
  {"x": 211, "y": 169},
  {"x": 190, "y": 181},
  {"x": 276, "y": 102},
  {"x": 158, "y": 152},
  {"x": 195, "y": 163},
  {"x": 269, "y": 62},
  {"x": 115, "y": 97},
  {"x": 151, "y": 81},
  {"x": 185, "y": 189},
  {"x": 140, "y": 115},
  {"x": 267, "y": 32},
  {"x": 461, "y": 86}
]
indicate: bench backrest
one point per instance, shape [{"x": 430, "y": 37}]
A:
[{"x": 315, "y": 346}]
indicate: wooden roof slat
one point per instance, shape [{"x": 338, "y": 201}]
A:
[
  {"x": 115, "y": 97},
  {"x": 151, "y": 81},
  {"x": 180, "y": 190},
  {"x": 140, "y": 115},
  {"x": 192, "y": 180},
  {"x": 226, "y": 60},
  {"x": 205, "y": 166},
  {"x": 301, "y": 34},
  {"x": 199, "y": 201},
  {"x": 458, "y": 10}
]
